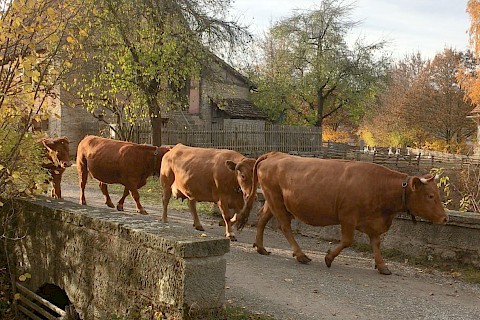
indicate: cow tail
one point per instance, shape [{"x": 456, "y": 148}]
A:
[{"x": 247, "y": 207}]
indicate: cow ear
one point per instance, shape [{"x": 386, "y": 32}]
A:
[
  {"x": 416, "y": 183},
  {"x": 231, "y": 165}
]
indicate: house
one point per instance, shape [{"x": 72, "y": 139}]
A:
[{"x": 220, "y": 99}]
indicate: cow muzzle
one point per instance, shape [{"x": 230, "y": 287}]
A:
[{"x": 65, "y": 164}]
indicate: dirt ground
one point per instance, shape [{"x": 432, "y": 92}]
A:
[{"x": 279, "y": 286}]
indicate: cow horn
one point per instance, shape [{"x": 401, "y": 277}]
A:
[{"x": 426, "y": 178}]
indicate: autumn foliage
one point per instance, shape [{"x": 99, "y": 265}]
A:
[{"x": 37, "y": 40}]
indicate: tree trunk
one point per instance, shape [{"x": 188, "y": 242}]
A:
[
  {"x": 156, "y": 122},
  {"x": 155, "y": 119},
  {"x": 318, "y": 123}
]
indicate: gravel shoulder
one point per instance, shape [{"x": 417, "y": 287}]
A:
[{"x": 279, "y": 286}]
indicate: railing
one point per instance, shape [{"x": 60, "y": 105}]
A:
[{"x": 35, "y": 307}]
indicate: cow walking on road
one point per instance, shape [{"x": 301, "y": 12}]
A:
[
  {"x": 57, "y": 160},
  {"x": 111, "y": 161},
  {"x": 357, "y": 195},
  {"x": 212, "y": 175}
]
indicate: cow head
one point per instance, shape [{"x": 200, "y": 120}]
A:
[
  {"x": 243, "y": 171},
  {"x": 423, "y": 199},
  {"x": 58, "y": 151}
]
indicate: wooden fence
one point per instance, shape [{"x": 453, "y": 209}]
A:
[
  {"x": 246, "y": 140},
  {"x": 304, "y": 141}
]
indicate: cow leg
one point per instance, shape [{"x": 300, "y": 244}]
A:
[
  {"x": 166, "y": 178},
  {"x": 192, "y": 204},
  {"x": 265, "y": 216},
  {"x": 379, "y": 262},
  {"x": 83, "y": 176},
  {"x": 136, "y": 196},
  {"x": 55, "y": 183},
  {"x": 348, "y": 231},
  {"x": 167, "y": 194},
  {"x": 226, "y": 218},
  {"x": 108, "y": 200},
  {"x": 122, "y": 199},
  {"x": 285, "y": 220}
]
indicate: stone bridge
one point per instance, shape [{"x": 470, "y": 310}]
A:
[{"x": 112, "y": 265}]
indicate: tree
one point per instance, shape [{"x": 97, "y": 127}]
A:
[
  {"x": 142, "y": 54},
  {"x": 438, "y": 100},
  {"x": 310, "y": 72},
  {"x": 37, "y": 40},
  {"x": 423, "y": 105},
  {"x": 385, "y": 121},
  {"x": 468, "y": 77}
]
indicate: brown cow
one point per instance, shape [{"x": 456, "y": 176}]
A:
[
  {"x": 356, "y": 195},
  {"x": 213, "y": 175},
  {"x": 111, "y": 161},
  {"x": 58, "y": 159}
]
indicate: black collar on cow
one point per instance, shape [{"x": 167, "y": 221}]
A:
[{"x": 404, "y": 199}]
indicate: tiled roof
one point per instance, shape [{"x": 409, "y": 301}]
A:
[{"x": 242, "y": 108}]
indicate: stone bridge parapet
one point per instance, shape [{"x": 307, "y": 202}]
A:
[{"x": 116, "y": 265}]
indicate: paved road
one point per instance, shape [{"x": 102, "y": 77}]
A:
[{"x": 279, "y": 286}]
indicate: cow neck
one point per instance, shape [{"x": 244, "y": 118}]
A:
[{"x": 404, "y": 199}]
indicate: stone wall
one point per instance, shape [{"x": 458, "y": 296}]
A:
[{"x": 114, "y": 264}]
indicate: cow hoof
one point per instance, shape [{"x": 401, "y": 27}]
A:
[
  {"x": 143, "y": 211},
  {"x": 111, "y": 205},
  {"x": 328, "y": 259},
  {"x": 262, "y": 251},
  {"x": 384, "y": 270},
  {"x": 232, "y": 238},
  {"x": 303, "y": 259},
  {"x": 119, "y": 207},
  {"x": 199, "y": 228}
]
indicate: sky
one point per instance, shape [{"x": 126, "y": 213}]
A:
[{"x": 409, "y": 26}]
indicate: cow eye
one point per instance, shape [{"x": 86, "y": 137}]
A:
[{"x": 430, "y": 196}]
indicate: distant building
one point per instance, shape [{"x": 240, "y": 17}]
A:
[{"x": 221, "y": 99}]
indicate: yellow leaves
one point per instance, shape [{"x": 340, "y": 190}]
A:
[
  {"x": 24, "y": 277},
  {"x": 83, "y": 32},
  {"x": 29, "y": 29},
  {"x": 15, "y": 175},
  {"x": 51, "y": 13}
]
